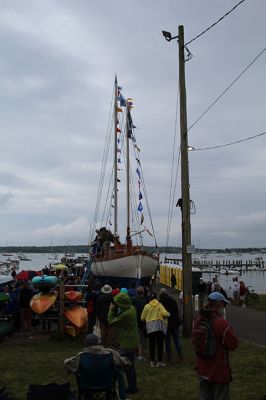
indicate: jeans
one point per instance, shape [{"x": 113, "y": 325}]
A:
[
  {"x": 156, "y": 339},
  {"x": 91, "y": 322},
  {"x": 119, "y": 376},
  {"x": 175, "y": 335},
  {"x": 213, "y": 391},
  {"x": 131, "y": 371}
]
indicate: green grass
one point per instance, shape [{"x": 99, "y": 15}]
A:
[
  {"x": 261, "y": 306},
  {"x": 30, "y": 361}
]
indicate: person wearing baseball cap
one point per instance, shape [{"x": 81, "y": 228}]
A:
[
  {"x": 218, "y": 297},
  {"x": 213, "y": 338}
]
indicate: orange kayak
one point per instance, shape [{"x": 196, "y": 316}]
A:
[
  {"x": 73, "y": 296},
  {"x": 77, "y": 315},
  {"x": 41, "y": 302}
]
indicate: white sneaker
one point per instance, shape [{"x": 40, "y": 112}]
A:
[
  {"x": 152, "y": 364},
  {"x": 160, "y": 364}
]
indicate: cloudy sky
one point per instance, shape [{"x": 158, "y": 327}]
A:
[{"x": 57, "y": 66}]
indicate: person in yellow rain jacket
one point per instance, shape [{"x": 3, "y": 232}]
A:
[{"x": 155, "y": 316}]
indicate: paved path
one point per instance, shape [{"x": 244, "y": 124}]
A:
[{"x": 248, "y": 324}]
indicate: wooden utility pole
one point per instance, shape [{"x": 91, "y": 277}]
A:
[{"x": 186, "y": 227}]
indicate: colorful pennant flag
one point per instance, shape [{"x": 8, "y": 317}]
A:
[
  {"x": 118, "y": 130},
  {"x": 138, "y": 172},
  {"x": 119, "y": 161},
  {"x": 122, "y": 100},
  {"x": 141, "y": 219},
  {"x": 138, "y": 160},
  {"x": 140, "y": 207},
  {"x": 137, "y": 148},
  {"x": 119, "y": 109},
  {"x": 140, "y": 196},
  {"x": 118, "y": 150}
]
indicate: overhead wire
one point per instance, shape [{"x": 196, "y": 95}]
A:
[
  {"x": 226, "y": 89},
  {"x": 173, "y": 179},
  {"x": 215, "y": 23},
  {"x": 103, "y": 170},
  {"x": 229, "y": 144}
]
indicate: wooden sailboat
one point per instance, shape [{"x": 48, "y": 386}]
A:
[{"x": 124, "y": 262}]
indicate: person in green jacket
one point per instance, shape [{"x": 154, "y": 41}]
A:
[{"x": 123, "y": 317}]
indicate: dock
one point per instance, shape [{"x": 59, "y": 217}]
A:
[{"x": 230, "y": 265}]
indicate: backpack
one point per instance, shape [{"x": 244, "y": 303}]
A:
[{"x": 203, "y": 337}]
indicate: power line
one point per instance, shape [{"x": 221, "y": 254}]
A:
[
  {"x": 226, "y": 90},
  {"x": 173, "y": 181},
  {"x": 228, "y": 144},
  {"x": 215, "y": 23}
]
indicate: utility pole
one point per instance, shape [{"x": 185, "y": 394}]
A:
[{"x": 186, "y": 227}]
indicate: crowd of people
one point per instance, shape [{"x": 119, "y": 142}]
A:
[
  {"x": 238, "y": 295},
  {"x": 136, "y": 322}
]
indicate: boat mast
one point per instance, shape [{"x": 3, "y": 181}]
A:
[
  {"x": 115, "y": 159},
  {"x": 128, "y": 128}
]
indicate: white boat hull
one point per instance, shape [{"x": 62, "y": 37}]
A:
[{"x": 133, "y": 267}]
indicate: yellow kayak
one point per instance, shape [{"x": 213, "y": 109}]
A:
[
  {"x": 77, "y": 315},
  {"x": 41, "y": 302}
]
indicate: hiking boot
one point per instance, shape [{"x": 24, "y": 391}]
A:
[
  {"x": 160, "y": 364},
  {"x": 152, "y": 364}
]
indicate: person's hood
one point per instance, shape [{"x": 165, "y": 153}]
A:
[
  {"x": 154, "y": 303},
  {"x": 123, "y": 301}
]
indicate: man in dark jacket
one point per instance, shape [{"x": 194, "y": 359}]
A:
[
  {"x": 173, "y": 281},
  {"x": 215, "y": 372},
  {"x": 91, "y": 299},
  {"x": 25, "y": 296},
  {"x": 202, "y": 291},
  {"x": 174, "y": 323},
  {"x": 103, "y": 303},
  {"x": 139, "y": 302}
]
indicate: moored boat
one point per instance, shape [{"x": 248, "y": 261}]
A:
[{"x": 126, "y": 262}]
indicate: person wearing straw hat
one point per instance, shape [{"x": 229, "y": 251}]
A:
[{"x": 104, "y": 301}]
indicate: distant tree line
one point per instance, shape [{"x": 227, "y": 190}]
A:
[{"x": 83, "y": 249}]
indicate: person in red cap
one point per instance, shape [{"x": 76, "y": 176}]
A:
[
  {"x": 115, "y": 291},
  {"x": 213, "y": 338}
]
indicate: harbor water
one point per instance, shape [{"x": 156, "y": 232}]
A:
[{"x": 255, "y": 279}]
